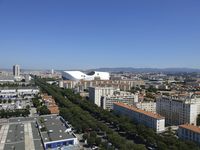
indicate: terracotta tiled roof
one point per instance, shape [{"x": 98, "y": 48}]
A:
[
  {"x": 53, "y": 109},
  {"x": 47, "y": 97},
  {"x": 190, "y": 127},
  {"x": 150, "y": 114}
]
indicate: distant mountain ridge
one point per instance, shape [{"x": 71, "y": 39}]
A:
[{"x": 131, "y": 69}]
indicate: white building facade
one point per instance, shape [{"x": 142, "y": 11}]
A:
[
  {"x": 178, "y": 111},
  {"x": 78, "y": 75},
  {"x": 149, "y": 119},
  {"x": 105, "y": 97},
  {"x": 9, "y": 93},
  {"x": 108, "y": 101},
  {"x": 147, "y": 106},
  {"x": 95, "y": 94}
]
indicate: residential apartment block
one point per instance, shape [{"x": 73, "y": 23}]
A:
[
  {"x": 95, "y": 94},
  {"x": 16, "y": 70},
  {"x": 105, "y": 97},
  {"x": 107, "y": 101},
  {"x": 178, "y": 110},
  {"x": 149, "y": 119},
  {"x": 147, "y": 106},
  {"x": 13, "y": 92},
  {"x": 189, "y": 132},
  {"x": 81, "y": 85}
]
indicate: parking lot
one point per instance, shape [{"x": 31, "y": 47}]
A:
[{"x": 14, "y": 104}]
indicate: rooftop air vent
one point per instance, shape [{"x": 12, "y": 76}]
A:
[{"x": 50, "y": 131}]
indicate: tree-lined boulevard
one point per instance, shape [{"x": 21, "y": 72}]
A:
[{"x": 106, "y": 129}]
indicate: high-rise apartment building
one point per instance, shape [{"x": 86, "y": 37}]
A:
[
  {"x": 52, "y": 71},
  {"x": 95, "y": 93},
  {"x": 105, "y": 97},
  {"x": 16, "y": 70},
  {"x": 178, "y": 110}
]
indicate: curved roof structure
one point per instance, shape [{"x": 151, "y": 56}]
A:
[{"x": 78, "y": 75}]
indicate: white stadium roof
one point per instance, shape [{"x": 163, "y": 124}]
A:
[{"x": 78, "y": 75}]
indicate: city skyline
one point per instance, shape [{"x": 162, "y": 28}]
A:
[
  {"x": 90, "y": 34},
  {"x": 99, "y": 75}
]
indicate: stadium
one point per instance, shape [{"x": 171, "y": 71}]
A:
[{"x": 78, "y": 75}]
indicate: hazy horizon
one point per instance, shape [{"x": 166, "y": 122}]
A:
[{"x": 86, "y": 69}]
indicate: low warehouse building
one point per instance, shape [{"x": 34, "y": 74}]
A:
[{"x": 55, "y": 132}]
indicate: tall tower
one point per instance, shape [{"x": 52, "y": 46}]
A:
[
  {"x": 52, "y": 71},
  {"x": 16, "y": 70}
]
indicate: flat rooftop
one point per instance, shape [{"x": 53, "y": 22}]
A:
[
  {"x": 53, "y": 129},
  {"x": 17, "y": 135},
  {"x": 22, "y": 133},
  {"x": 36, "y": 137}
]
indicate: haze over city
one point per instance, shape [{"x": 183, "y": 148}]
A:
[{"x": 91, "y": 34}]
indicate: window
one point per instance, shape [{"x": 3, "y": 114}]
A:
[
  {"x": 48, "y": 146},
  {"x": 59, "y": 144}
]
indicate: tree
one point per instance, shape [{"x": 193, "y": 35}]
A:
[
  {"x": 28, "y": 107},
  {"x": 152, "y": 89},
  {"x": 36, "y": 102},
  {"x": 85, "y": 136},
  {"x": 9, "y": 101},
  {"x": 25, "y": 113},
  {"x": 93, "y": 134},
  {"x": 162, "y": 146},
  {"x": 90, "y": 141},
  {"x": 135, "y": 89},
  {"x": 98, "y": 141},
  {"x": 14, "y": 113},
  {"x": 4, "y": 101},
  {"x": 43, "y": 110},
  {"x": 85, "y": 116},
  {"x": 150, "y": 95}
]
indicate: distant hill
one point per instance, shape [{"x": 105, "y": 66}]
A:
[{"x": 138, "y": 70}]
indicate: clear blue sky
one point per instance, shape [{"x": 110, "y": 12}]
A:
[{"x": 81, "y": 34}]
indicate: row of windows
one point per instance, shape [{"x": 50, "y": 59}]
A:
[
  {"x": 59, "y": 144},
  {"x": 189, "y": 135},
  {"x": 141, "y": 118}
]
